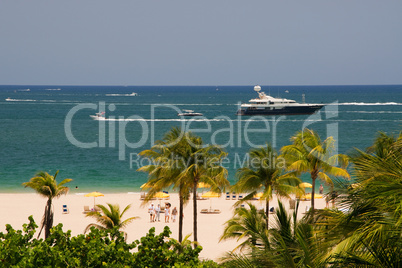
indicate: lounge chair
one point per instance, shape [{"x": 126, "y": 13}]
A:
[
  {"x": 142, "y": 197},
  {"x": 227, "y": 196},
  {"x": 97, "y": 209},
  {"x": 240, "y": 196},
  {"x": 234, "y": 196},
  {"x": 65, "y": 209},
  {"x": 210, "y": 211},
  {"x": 86, "y": 210}
]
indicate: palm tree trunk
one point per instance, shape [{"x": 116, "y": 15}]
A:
[
  {"x": 181, "y": 202},
  {"x": 195, "y": 212},
  {"x": 267, "y": 212},
  {"x": 314, "y": 175},
  {"x": 48, "y": 221}
]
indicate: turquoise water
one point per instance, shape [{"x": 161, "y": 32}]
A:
[{"x": 34, "y": 124}]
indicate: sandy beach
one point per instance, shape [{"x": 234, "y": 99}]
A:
[{"x": 16, "y": 208}]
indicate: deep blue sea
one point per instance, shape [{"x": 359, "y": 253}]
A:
[{"x": 49, "y": 127}]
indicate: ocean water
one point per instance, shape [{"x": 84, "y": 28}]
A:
[{"x": 49, "y": 127}]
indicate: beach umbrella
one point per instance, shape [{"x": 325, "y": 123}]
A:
[
  {"x": 305, "y": 185},
  {"x": 94, "y": 195},
  {"x": 210, "y": 195},
  {"x": 161, "y": 195},
  {"x": 259, "y": 195},
  {"x": 203, "y": 185}
]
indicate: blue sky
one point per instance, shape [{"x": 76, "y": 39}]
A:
[{"x": 231, "y": 42}]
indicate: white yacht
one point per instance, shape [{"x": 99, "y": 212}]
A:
[{"x": 267, "y": 105}]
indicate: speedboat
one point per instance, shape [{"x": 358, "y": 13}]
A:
[
  {"x": 267, "y": 105},
  {"x": 133, "y": 94},
  {"x": 190, "y": 113},
  {"x": 98, "y": 116}
]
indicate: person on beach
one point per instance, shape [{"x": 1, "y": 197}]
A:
[
  {"x": 174, "y": 214},
  {"x": 321, "y": 189},
  {"x": 158, "y": 212},
  {"x": 167, "y": 210},
  {"x": 151, "y": 211}
]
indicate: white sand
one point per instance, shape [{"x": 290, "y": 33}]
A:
[{"x": 15, "y": 209}]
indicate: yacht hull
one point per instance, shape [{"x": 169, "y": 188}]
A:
[{"x": 280, "y": 111}]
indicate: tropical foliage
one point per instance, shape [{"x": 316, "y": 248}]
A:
[
  {"x": 364, "y": 230},
  {"x": 110, "y": 218},
  {"x": 289, "y": 243},
  {"x": 264, "y": 171},
  {"x": 181, "y": 160},
  {"x": 249, "y": 226},
  {"x": 46, "y": 186},
  {"x": 369, "y": 233},
  {"x": 98, "y": 248},
  {"x": 308, "y": 154}
]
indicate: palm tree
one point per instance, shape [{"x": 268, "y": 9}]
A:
[
  {"x": 309, "y": 154},
  {"x": 289, "y": 243},
  {"x": 369, "y": 234},
  {"x": 248, "y": 225},
  {"x": 166, "y": 156},
  {"x": 203, "y": 165},
  {"x": 264, "y": 171},
  {"x": 293, "y": 242},
  {"x": 179, "y": 247},
  {"x": 111, "y": 218},
  {"x": 46, "y": 186},
  {"x": 181, "y": 160}
]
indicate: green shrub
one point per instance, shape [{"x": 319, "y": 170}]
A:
[{"x": 98, "y": 248}]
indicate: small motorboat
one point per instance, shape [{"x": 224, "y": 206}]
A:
[
  {"x": 189, "y": 113},
  {"x": 98, "y": 116}
]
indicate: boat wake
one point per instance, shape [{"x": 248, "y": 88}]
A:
[
  {"x": 9, "y": 99},
  {"x": 369, "y": 104},
  {"x": 374, "y": 112},
  {"x": 122, "y": 95}
]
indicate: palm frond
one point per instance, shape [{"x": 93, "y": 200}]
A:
[{"x": 110, "y": 217}]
